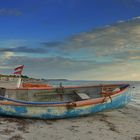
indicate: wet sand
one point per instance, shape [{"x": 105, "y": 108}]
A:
[{"x": 120, "y": 124}]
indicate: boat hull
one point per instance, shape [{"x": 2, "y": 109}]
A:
[{"x": 60, "y": 111}]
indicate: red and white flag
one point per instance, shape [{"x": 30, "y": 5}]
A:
[{"x": 18, "y": 70}]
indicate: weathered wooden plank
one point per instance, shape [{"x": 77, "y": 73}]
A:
[{"x": 83, "y": 95}]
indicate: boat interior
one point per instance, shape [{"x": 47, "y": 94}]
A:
[{"x": 68, "y": 94}]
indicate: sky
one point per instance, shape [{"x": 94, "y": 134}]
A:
[{"x": 71, "y": 39}]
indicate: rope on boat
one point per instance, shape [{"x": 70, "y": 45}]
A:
[{"x": 32, "y": 103}]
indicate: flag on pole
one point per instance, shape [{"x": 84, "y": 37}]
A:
[{"x": 18, "y": 70}]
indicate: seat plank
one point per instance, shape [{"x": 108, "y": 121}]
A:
[{"x": 83, "y": 95}]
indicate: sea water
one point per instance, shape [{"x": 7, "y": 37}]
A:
[{"x": 136, "y": 96}]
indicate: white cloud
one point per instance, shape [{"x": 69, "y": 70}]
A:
[
  {"x": 8, "y": 55},
  {"x": 113, "y": 53},
  {"x": 5, "y": 67}
]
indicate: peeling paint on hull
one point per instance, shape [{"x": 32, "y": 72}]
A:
[{"x": 55, "y": 112}]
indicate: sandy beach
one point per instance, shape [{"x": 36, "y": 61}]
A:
[{"x": 119, "y": 124}]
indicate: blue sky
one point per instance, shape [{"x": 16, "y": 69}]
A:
[
  {"x": 53, "y": 20},
  {"x": 74, "y": 39}
]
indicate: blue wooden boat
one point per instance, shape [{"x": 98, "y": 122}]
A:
[{"x": 63, "y": 102}]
